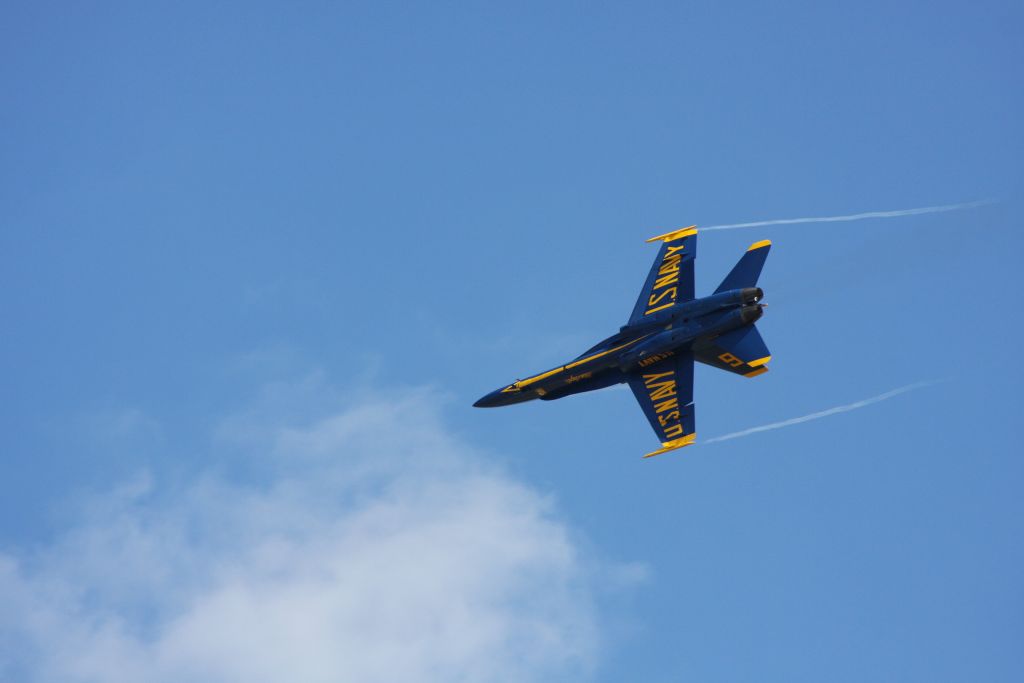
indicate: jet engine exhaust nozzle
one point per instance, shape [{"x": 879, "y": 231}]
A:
[
  {"x": 751, "y": 295},
  {"x": 751, "y": 314}
]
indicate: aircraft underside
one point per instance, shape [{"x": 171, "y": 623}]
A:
[{"x": 667, "y": 332}]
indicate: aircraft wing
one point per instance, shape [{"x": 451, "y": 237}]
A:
[
  {"x": 665, "y": 392},
  {"x": 741, "y": 351},
  {"x": 670, "y": 281}
]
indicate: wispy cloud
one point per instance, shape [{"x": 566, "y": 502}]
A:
[
  {"x": 824, "y": 413},
  {"x": 854, "y": 216},
  {"x": 378, "y": 547}
]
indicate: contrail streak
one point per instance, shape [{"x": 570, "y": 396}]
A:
[
  {"x": 825, "y": 413},
  {"x": 855, "y": 216}
]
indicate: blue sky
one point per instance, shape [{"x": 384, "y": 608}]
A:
[{"x": 269, "y": 256}]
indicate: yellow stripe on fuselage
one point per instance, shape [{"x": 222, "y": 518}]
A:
[{"x": 544, "y": 375}]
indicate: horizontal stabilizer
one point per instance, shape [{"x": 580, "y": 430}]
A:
[
  {"x": 748, "y": 269},
  {"x": 741, "y": 351}
]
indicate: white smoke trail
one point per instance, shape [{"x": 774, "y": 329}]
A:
[
  {"x": 825, "y": 413},
  {"x": 855, "y": 216}
]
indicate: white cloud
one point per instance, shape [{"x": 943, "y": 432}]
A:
[{"x": 382, "y": 548}]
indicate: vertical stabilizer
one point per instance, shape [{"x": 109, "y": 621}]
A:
[{"x": 748, "y": 269}]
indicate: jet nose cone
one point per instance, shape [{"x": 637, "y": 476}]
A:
[
  {"x": 491, "y": 400},
  {"x": 505, "y": 396}
]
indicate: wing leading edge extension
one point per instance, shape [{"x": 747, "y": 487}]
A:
[
  {"x": 664, "y": 391},
  {"x": 670, "y": 280}
]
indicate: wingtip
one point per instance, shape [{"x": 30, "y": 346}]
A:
[
  {"x": 667, "y": 446},
  {"x": 675, "y": 234}
]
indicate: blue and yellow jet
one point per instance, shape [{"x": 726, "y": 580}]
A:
[{"x": 668, "y": 330}]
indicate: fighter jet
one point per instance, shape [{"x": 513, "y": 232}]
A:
[{"x": 668, "y": 330}]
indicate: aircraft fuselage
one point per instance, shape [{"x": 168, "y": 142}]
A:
[{"x": 657, "y": 337}]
